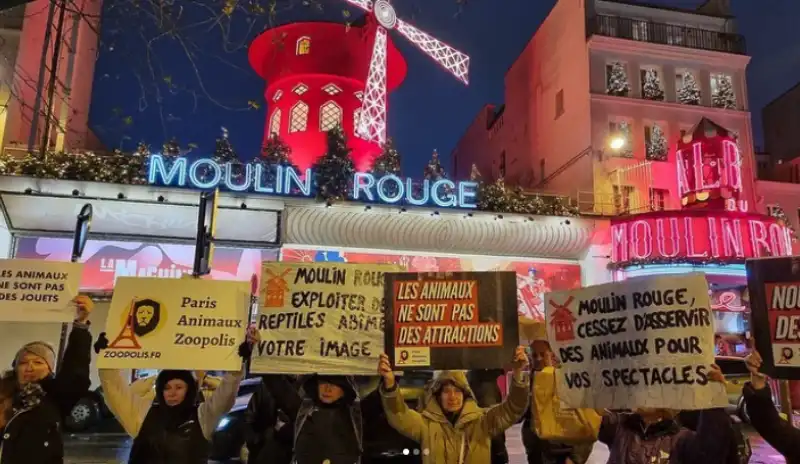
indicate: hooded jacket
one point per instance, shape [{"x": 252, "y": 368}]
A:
[
  {"x": 779, "y": 433},
  {"x": 468, "y": 440},
  {"x": 630, "y": 441},
  {"x": 33, "y": 433},
  {"x": 168, "y": 435}
]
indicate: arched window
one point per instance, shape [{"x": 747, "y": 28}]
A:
[
  {"x": 277, "y": 95},
  {"x": 298, "y": 118},
  {"x": 330, "y": 115},
  {"x": 275, "y": 123},
  {"x": 304, "y": 45},
  {"x": 356, "y": 122}
]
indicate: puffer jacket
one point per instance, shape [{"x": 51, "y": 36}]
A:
[
  {"x": 630, "y": 441},
  {"x": 469, "y": 440},
  {"x": 34, "y": 435},
  {"x": 779, "y": 433}
]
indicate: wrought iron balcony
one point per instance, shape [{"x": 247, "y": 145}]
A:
[{"x": 666, "y": 34}]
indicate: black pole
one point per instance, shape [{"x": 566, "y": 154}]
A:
[
  {"x": 51, "y": 89},
  {"x": 37, "y": 104},
  {"x": 82, "y": 226}
]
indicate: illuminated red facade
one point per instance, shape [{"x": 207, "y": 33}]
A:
[{"x": 316, "y": 73}]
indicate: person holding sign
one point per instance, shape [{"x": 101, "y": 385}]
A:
[
  {"x": 780, "y": 434},
  {"x": 453, "y": 429},
  {"x": 173, "y": 428},
  {"x": 41, "y": 395},
  {"x": 653, "y": 435}
]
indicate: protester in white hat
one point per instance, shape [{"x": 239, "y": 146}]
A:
[{"x": 42, "y": 394}]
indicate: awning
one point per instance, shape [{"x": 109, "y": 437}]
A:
[{"x": 49, "y": 207}]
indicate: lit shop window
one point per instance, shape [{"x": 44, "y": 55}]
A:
[
  {"x": 303, "y": 45},
  {"x": 330, "y": 116},
  {"x": 331, "y": 89},
  {"x": 275, "y": 122},
  {"x": 298, "y": 117},
  {"x": 300, "y": 89}
]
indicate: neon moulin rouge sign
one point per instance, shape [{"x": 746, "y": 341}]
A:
[
  {"x": 207, "y": 174},
  {"x": 697, "y": 235}
]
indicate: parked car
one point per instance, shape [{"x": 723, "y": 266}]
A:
[{"x": 382, "y": 444}]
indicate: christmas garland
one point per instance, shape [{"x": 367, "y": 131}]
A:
[
  {"x": 114, "y": 168},
  {"x": 672, "y": 261}
]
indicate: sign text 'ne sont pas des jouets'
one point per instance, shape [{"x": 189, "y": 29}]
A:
[{"x": 207, "y": 174}]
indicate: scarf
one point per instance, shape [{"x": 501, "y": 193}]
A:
[{"x": 27, "y": 397}]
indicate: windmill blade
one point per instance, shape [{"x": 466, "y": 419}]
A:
[
  {"x": 365, "y": 5},
  {"x": 372, "y": 124},
  {"x": 450, "y": 58}
]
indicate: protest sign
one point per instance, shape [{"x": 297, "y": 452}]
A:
[
  {"x": 38, "y": 291},
  {"x": 453, "y": 320},
  {"x": 774, "y": 287},
  {"x": 320, "y": 317},
  {"x": 625, "y": 345},
  {"x": 176, "y": 324}
]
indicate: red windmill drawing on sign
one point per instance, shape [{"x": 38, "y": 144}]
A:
[
  {"x": 563, "y": 321},
  {"x": 127, "y": 333},
  {"x": 276, "y": 289}
]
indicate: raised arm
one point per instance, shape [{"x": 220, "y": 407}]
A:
[
  {"x": 714, "y": 434},
  {"x": 502, "y": 416},
  {"x": 72, "y": 372},
  {"x": 406, "y": 421},
  {"x": 128, "y": 407},
  {"x": 221, "y": 401}
]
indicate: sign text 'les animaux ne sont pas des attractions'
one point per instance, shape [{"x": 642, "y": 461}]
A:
[{"x": 207, "y": 174}]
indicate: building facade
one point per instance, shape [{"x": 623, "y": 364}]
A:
[
  {"x": 781, "y": 117},
  {"x": 601, "y": 69}
]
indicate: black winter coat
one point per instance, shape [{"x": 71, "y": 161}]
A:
[
  {"x": 779, "y": 433},
  {"x": 34, "y": 435},
  {"x": 265, "y": 443},
  {"x": 156, "y": 444}
]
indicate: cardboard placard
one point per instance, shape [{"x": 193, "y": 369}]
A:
[
  {"x": 38, "y": 291},
  {"x": 453, "y": 320}
]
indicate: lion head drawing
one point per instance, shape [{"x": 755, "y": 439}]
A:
[{"x": 146, "y": 316}]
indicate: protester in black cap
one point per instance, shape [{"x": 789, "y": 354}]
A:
[
  {"x": 327, "y": 414},
  {"x": 176, "y": 427}
]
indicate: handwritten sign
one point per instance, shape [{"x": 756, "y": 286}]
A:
[
  {"x": 320, "y": 317},
  {"x": 176, "y": 324},
  {"x": 646, "y": 343},
  {"x": 460, "y": 320},
  {"x": 38, "y": 291},
  {"x": 774, "y": 285}
]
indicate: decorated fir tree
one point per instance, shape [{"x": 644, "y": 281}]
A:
[
  {"x": 657, "y": 145},
  {"x": 387, "y": 163},
  {"x": 171, "y": 148},
  {"x": 223, "y": 150},
  {"x": 778, "y": 213},
  {"x": 689, "y": 93},
  {"x": 434, "y": 170},
  {"x": 142, "y": 149},
  {"x": 617, "y": 81},
  {"x": 493, "y": 197},
  {"x": 474, "y": 174},
  {"x": 724, "y": 96},
  {"x": 334, "y": 170},
  {"x": 651, "y": 88},
  {"x": 276, "y": 152}
]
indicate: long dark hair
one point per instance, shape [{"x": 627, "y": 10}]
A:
[{"x": 8, "y": 387}]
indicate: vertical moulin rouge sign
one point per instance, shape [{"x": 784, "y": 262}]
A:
[{"x": 709, "y": 169}]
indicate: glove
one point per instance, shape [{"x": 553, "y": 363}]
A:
[{"x": 101, "y": 343}]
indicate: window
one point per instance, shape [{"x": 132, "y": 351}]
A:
[
  {"x": 658, "y": 199},
  {"x": 621, "y": 129},
  {"x": 331, "y": 89},
  {"x": 300, "y": 89},
  {"x": 541, "y": 171},
  {"x": 360, "y": 96},
  {"x": 356, "y": 122},
  {"x": 686, "y": 88},
  {"x": 650, "y": 79},
  {"x": 275, "y": 123},
  {"x": 622, "y": 198},
  {"x": 559, "y": 103},
  {"x": 330, "y": 116},
  {"x": 304, "y": 45},
  {"x": 503, "y": 164},
  {"x": 640, "y": 30},
  {"x": 617, "y": 79},
  {"x": 277, "y": 95},
  {"x": 298, "y": 118},
  {"x": 655, "y": 143},
  {"x": 722, "y": 94}
]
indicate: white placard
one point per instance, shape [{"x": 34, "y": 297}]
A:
[{"x": 38, "y": 291}]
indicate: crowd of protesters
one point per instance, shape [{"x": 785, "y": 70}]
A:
[{"x": 320, "y": 419}]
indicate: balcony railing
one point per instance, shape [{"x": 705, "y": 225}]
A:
[{"x": 666, "y": 34}]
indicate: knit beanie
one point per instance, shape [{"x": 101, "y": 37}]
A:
[{"x": 41, "y": 349}]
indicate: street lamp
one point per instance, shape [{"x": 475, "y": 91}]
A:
[{"x": 616, "y": 142}]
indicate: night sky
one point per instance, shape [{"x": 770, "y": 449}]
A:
[{"x": 430, "y": 110}]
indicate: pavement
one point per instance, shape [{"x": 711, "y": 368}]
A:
[{"x": 114, "y": 448}]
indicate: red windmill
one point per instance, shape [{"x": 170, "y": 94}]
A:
[{"x": 323, "y": 73}]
